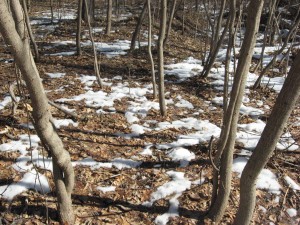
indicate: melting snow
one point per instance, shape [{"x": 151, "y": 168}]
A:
[{"x": 266, "y": 180}]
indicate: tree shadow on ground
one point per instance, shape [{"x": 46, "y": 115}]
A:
[{"x": 127, "y": 206}]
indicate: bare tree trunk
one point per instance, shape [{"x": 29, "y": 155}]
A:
[
  {"x": 14, "y": 35},
  {"x": 162, "y": 31},
  {"x": 108, "y": 17},
  {"x": 283, "y": 107},
  {"x": 138, "y": 27},
  {"x": 35, "y": 48},
  {"x": 88, "y": 10},
  {"x": 228, "y": 53},
  {"x": 267, "y": 67},
  {"x": 78, "y": 33},
  {"x": 228, "y": 134},
  {"x": 96, "y": 67},
  {"x": 182, "y": 19},
  {"x": 150, "y": 49},
  {"x": 216, "y": 42},
  {"x": 170, "y": 22},
  {"x": 51, "y": 9},
  {"x": 268, "y": 27}
]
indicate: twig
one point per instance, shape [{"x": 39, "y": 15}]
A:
[
  {"x": 210, "y": 153},
  {"x": 72, "y": 114}
]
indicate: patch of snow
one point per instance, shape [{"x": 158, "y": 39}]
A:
[
  {"x": 30, "y": 180},
  {"x": 181, "y": 154},
  {"x": 56, "y": 75},
  {"x": 64, "y": 123},
  {"x": 266, "y": 180},
  {"x": 292, "y": 212},
  {"x": 147, "y": 150},
  {"x": 5, "y": 102},
  {"x": 186, "y": 69},
  {"x": 177, "y": 186},
  {"x": 106, "y": 189},
  {"x": 121, "y": 163},
  {"x": 291, "y": 183}
]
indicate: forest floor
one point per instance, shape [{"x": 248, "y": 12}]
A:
[{"x": 133, "y": 166}]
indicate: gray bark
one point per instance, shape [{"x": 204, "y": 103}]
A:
[
  {"x": 138, "y": 27},
  {"x": 96, "y": 67},
  {"x": 162, "y": 32},
  {"x": 150, "y": 50},
  {"x": 15, "y": 37},
  {"x": 170, "y": 22},
  {"x": 78, "y": 32},
  {"x": 35, "y": 48},
  {"x": 283, "y": 107},
  {"x": 228, "y": 134},
  {"x": 108, "y": 17}
]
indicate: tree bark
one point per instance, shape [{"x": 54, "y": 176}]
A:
[
  {"x": 283, "y": 107},
  {"x": 35, "y": 48},
  {"x": 267, "y": 67},
  {"x": 170, "y": 22},
  {"x": 138, "y": 27},
  {"x": 150, "y": 49},
  {"x": 14, "y": 35},
  {"x": 96, "y": 67},
  {"x": 88, "y": 10},
  {"x": 231, "y": 41},
  {"x": 228, "y": 134},
  {"x": 162, "y": 31},
  {"x": 78, "y": 32},
  {"x": 108, "y": 17}
]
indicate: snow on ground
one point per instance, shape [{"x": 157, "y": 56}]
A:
[
  {"x": 45, "y": 16},
  {"x": 110, "y": 50},
  {"x": 106, "y": 189},
  {"x": 5, "y": 102},
  {"x": 137, "y": 110},
  {"x": 291, "y": 183},
  {"x": 183, "y": 70},
  {"x": 175, "y": 187},
  {"x": 56, "y": 75},
  {"x": 31, "y": 180},
  {"x": 181, "y": 154},
  {"x": 292, "y": 212},
  {"x": 267, "y": 180}
]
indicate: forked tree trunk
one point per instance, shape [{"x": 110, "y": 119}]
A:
[
  {"x": 162, "y": 31},
  {"x": 108, "y": 17},
  {"x": 229, "y": 128},
  {"x": 283, "y": 107},
  {"x": 150, "y": 49},
  {"x": 12, "y": 30},
  {"x": 35, "y": 48},
  {"x": 138, "y": 27}
]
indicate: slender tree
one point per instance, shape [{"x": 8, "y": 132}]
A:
[
  {"x": 229, "y": 128},
  {"x": 78, "y": 32},
  {"x": 96, "y": 67},
  {"x": 150, "y": 49},
  {"x": 108, "y": 17},
  {"x": 28, "y": 26},
  {"x": 13, "y": 31},
  {"x": 283, "y": 107},
  {"x": 170, "y": 22},
  {"x": 162, "y": 31},
  {"x": 138, "y": 27}
]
